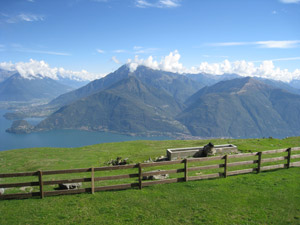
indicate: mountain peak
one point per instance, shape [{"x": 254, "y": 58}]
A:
[
  {"x": 238, "y": 85},
  {"x": 252, "y": 84},
  {"x": 18, "y": 88},
  {"x": 235, "y": 86}
]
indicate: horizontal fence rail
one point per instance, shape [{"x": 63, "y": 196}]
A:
[{"x": 140, "y": 182}]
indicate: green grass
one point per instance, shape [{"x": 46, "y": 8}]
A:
[{"x": 271, "y": 197}]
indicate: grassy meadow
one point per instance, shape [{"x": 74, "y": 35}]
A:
[{"x": 271, "y": 197}]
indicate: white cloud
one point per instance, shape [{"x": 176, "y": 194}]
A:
[
  {"x": 167, "y": 63},
  {"x": 7, "y": 66},
  {"x": 281, "y": 59},
  {"x": 114, "y": 58},
  {"x": 100, "y": 51},
  {"x": 23, "y": 17},
  {"x": 30, "y": 17},
  {"x": 278, "y": 44},
  {"x": 228, "y": 44},
  {"x": 37, "y": 69},
  {"x": 143, "y": 4},
  {"x": 290, "y": 1},
  {"x": 261, "y": 44},
  {"x": 266, "y": 68},
  {"x": 169, "y": 3},
  {"x": 157, "y": 4}
]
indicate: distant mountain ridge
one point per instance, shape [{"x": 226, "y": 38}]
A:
[
  {"x": 17, "y": 88},
  {"x": 154, "y": 102},
  {"x": 243, "y": 107},
  {"x": 180, "y": 86},
  {"x": 4, "y": 74},
  {"x": 211, "y": 79}
]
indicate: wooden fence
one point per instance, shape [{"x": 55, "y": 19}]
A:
[{"x": 140, "y": 183}]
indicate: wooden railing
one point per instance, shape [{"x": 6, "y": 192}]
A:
[{"x": 140, "y": 183}]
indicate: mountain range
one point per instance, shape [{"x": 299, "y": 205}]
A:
[
  {"x": 179, "y": 86},
  {"x": 15, "y": 87},
  {"x": 155, "y": 102},
  {"x": 18, "y": 88}
]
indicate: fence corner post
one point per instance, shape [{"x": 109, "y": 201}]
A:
[
  {"x": 40, "y": 174},
  {"x": 93, "y": 180},
  {"x": 289, "y": 150},
  {"x": 259, "y": 162},
  {"x": 140, "y": 176},
  {"x": 186, "y": 170},
  {"x": 225, "y": 166}
]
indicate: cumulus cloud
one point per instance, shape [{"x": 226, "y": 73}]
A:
[
  {"x": 266, "y": 69},
  {"x": 261, "y": 44},
  {"x": 157, "y": 4},
  {"x": 7, "y": 66},
  {"x": 40, "y": 69},
  {"x": 167, "y": 63}
]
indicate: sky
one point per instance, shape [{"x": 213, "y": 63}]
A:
[{"x": 91, "y": 38}]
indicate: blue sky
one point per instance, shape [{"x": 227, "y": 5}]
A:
[{"x": 100, "y": 35}]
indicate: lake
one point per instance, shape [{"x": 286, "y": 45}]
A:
[{"x": 59, "y": 138}]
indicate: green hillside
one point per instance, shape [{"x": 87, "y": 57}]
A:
[{"x": 267, "y": 198}]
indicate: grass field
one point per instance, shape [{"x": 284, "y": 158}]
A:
[{"x": 267, "y": 198}]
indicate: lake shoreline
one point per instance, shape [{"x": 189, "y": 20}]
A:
[{"x": 60, "y": 138}]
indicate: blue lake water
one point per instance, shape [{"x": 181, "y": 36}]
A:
[{"x": 59, "y": 138}]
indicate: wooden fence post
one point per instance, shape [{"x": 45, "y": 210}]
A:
[
  {"x": 289, "y": 150},
  {"x": 225, "y": 165},
  {"x": 140, "y": 176},
  {"x": 186, "y": 170},
  {"x": 259, "y": 162},
  {"x": 93, "y": 180},
  {"x": 40, "y": 174}
]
